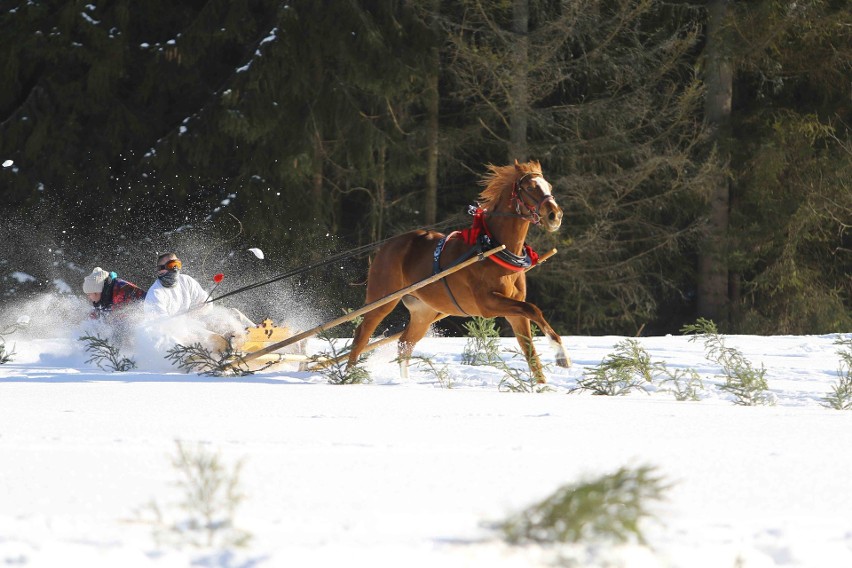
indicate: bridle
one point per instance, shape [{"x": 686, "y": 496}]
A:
[{"x": 533, "y": 214}]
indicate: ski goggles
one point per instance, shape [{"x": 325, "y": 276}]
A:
[{"x": 173, "y": 264}]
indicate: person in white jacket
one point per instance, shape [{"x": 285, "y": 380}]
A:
[
  {"x": 173, "y": 293},
  {"x": 175, "y": 308}
]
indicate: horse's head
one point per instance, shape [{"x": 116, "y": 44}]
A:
[{"x": 533, "y": 198}]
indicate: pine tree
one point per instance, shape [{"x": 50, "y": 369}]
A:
[
  {"x": 712, "y": 278},
  {"x": 608, "y": 103},
  {"x": 792, "y": 200}
]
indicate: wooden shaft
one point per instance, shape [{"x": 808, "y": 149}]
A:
[
  {"x": 543, "y": 258},
  {"x": 391, "y": 338},
  {"x": 371, "y": 306}
]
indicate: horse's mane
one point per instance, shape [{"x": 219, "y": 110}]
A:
[{"x": 499, "y": 178}]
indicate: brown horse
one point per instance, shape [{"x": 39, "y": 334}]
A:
[{"x": 514, "y": 197}]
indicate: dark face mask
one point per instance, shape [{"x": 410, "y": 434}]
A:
[{"x": 168, "y": 279}]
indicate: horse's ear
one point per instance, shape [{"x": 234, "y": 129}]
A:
[{"x": 518, "y": 165}]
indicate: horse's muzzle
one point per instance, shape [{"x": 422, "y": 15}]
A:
[{"x": 551, "y": 217}]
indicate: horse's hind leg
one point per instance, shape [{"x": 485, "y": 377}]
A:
[
  {"x": 421, "y": 317},
  {"x": 366, "y": 328}
]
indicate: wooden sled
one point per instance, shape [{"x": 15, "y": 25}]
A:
[{"x": 267, "y": 334}]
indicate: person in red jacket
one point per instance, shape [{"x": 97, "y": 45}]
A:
[{"x": 109, "y": 293}]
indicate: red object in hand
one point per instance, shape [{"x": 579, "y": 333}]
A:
[{"x": 218, "y": 278}]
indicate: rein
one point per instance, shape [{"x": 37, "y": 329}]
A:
[{"x": 345, "y": 255}]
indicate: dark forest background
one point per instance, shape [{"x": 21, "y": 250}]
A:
[{"x": 700, "y": 149}]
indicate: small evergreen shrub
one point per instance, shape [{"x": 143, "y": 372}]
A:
[
  {"x": 337, "y": 372},
  {"x": 628, "y": 369},
  {"x": 521, "y": 379},
  {"x": 684, "y": 384},
  {"x": 6, "y": 354},
  {"x": 608, "y": 509},
  {"x": 442, "y": 374},
  {"x": 840, "y": 397},
  {"x": 105, "y": 355},
  {"x": 196, "y": 358},
  {"x": 210, "y": 495},
  {"x": 483, "y": 344},
  {"x": 747, "y": 384}
]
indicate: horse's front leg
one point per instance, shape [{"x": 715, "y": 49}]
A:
[
  {"x": 523, "y": 333},
  {"x": 531, "y": 312}
]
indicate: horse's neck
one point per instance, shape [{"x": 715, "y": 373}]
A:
[{"x": 508, "y": 229}]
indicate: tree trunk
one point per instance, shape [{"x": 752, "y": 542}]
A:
[
  {"x": 713, "y": 266},
  {"x": 430, "y": 200},
  {"x": 381, "y": 195},
  {"x": 317, "y": 177},
  {"x": 519, "y": 97},
  {"x": 317, "y": 149}
]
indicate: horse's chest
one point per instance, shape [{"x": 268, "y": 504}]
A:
[
  {"x": 514, "y": 287},
  {"x": 511, "y": 285}
]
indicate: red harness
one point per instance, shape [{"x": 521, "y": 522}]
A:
[{"x": 505, "y": 259}]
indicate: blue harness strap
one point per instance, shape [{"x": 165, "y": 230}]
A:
[
  {"x": 436, "y": 257},
  {"x": 436, "y": 266}
]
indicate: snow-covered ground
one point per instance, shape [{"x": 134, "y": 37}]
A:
[{"x": 409, "y": 473}]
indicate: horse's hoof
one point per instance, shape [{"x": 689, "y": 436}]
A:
[{"x": 564, "y": 362}]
